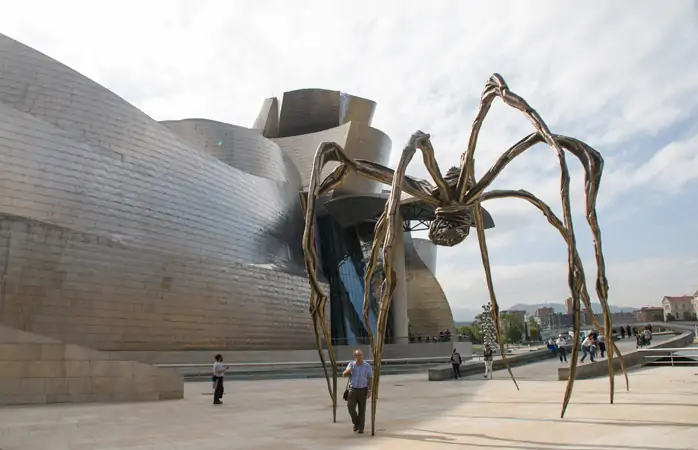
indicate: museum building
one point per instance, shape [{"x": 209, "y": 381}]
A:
[{"x": 119, "y": 232}]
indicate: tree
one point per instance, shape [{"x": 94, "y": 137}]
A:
[
  {"x": 511, "y": 329},
  {"x": 669, "y": 317},
  {"x": 533, "y": 330},
  {"x": 472, "y": 332}
]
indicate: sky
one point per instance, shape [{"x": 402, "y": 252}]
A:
[{"x": 620, "y": 76}]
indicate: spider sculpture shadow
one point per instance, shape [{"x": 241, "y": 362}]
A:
[{"x": 456, "y": 198}]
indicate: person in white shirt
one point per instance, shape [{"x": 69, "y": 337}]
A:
[
  {"x": 602, "y": 344},
  {"x": 561, "y": 350},
  {"x": 586, "y": 348},
  {"x": 219, "y": 370}
]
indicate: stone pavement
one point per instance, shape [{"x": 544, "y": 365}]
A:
[{"x": 659, "y": 413}]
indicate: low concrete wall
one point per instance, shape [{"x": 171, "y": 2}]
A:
[
  {"x": 635, "y": 358},
  {"x": 342, "y": 353},
  {"x": 443, "y": 373},
  {"x": 35, "y": 370}
]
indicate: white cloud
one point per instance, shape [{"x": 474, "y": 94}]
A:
[
  {"x": 631, "y": 283},
  {"x": 604, "y": 72}
]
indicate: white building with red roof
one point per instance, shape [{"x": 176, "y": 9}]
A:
[{"x": 681, "y": 308}]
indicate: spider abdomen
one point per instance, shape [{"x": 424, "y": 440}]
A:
[{"x": 451, "y": 225}]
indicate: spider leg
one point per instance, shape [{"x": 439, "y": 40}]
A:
[
  {"x": 392, "y": 226},
  {"x": 378, "y": 236},
  {"x": 497, "y": 87},
  {"x": 578, "y": 267},
  {"x": 593, "y": 168},
  {"x": 480, "y": 227},
  {"x": 326, "y": 152},
  {"x": 318, "y": 298}
]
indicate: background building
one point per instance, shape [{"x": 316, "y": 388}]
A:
[
  {"x": 680, "y": 308},
  {"x": 650, "y": 314},
  {"x": 543, "y": 316},
  {"x": 569, "y": 307},
  {"x": 121, "y": 233}
]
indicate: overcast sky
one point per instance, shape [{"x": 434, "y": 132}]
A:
[{"x": 622, "y": 76}]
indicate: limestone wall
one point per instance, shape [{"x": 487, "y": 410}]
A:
[{"x": 36, "y": 370}]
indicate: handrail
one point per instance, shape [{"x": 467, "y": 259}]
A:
[
  {"x": 672, "y": 353},
  {"x": 667, "y": 349},
  {"x": 436, "y": 359}
]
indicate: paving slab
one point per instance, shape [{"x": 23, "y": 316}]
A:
[{"x": 659, "y": 413}]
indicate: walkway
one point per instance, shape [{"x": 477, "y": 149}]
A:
[
  {"x": 659, "y": 413},
  {"x": 547, "y": 370}
]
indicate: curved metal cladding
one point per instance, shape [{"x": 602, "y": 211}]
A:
[
  {"x": 117, "y": 234},
  {"x": 306, "y": 111},
  {"x": 359, "y": 141},
  {"x": 267, "y": 121},
  {"x": 427, "y": 306},
  {"x": 311, "y": 116},
  {"x": 239, "y": 147}
]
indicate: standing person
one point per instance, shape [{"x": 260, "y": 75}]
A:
[
  {"x": 456, "y": 362},
  {"x": 219, "y": 370},
  {"x": 561, "y": 348},
  {"x": 602, "y": 344},
  {"x": 648, "y": 336},
  {"x": 627, "y": 331},
  {"x": 622, "y": 332},
  {"x": 360, "y": 374},
  {"x": 489, "y": 360}
]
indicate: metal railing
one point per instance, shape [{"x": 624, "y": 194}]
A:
[
  {"x": 416, "y": 339},
  {"x": 307, "y": 364},
  {"x": 677, "y": 356}
]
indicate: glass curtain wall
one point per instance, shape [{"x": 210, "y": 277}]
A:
[{"x": 344, "y": 258}]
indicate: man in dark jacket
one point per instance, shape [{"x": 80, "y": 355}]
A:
[{"x": 456, "y": 362}]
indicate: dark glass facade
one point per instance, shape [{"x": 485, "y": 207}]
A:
[{"x": 343, "y": 252}]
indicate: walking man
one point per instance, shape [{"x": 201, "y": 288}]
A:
[
  {"x": 219, "y": 370},
  {"x": 561, "y": 348},
  {"x": 360, "y": 374},
  {"x": 489, "y": 360},
  {"x": 456, "y": 362}
]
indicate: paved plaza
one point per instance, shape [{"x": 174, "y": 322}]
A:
[{"x": 659, "y": 413}]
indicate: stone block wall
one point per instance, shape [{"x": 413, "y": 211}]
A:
[{"x": 38, "y": 370}]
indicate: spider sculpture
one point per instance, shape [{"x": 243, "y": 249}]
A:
[{"x": 456, "y": 198}]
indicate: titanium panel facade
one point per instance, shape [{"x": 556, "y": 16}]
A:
[
  {"x": 239, "y": 147},
  {"x": 117, "y": 234},
  {"x": 360, "y": 141},
  {"x": 309, "y": 117},
  {"x": 427, "y": 306},
  {"x": 307, "y": 111},
  {"x": 267, "y": 121}
]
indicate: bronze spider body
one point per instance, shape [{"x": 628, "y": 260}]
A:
[{"x": 457, "y": 198}]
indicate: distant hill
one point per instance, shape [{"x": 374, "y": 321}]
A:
[
  {"x": 464, "y": 314},
  {"x": 560, "y": 308}
]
